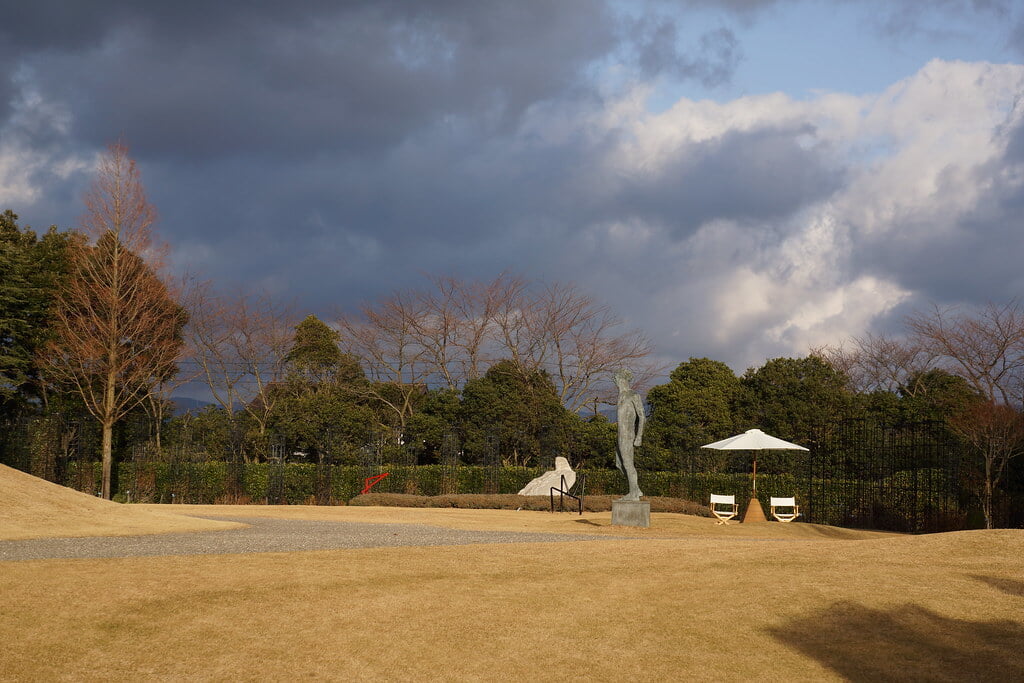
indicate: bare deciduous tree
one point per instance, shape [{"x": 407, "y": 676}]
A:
[
  {"x": 239, "y": 345},
  {"x": 261, "y": 334},
  {"x": 209, "y": 349},
  {"x": 447, "y": 335},
  {"x": 454, "y": 321},
  {"x": 117, "y": 330},
  {"x": 386, "y": 339},
  {"x": 879, "y": 362},
  {"x": 579, "y": 343},
  {"x": 995, "y": 432},
  {"x": 477, "y": 304},
  {"x": 985, "y": 347}
]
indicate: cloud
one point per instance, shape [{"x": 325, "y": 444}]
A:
[
  {"x": 658, "y": 52},
  {"x": 332, "y": 152},
  {"x": 868, "y": 205},
  {"x": 762, "y": 174},
  {"x": 923, "y": 211},
  {"x": 353, "y": 78},
  {"x": 35, "y": 166},
  {"x": 903, "y": 19}
]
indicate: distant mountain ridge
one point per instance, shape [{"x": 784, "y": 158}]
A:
[{"x": 184, "y": 404}]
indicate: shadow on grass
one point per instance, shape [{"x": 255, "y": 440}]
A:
[
  {"x": 587, "y": 521},
  {"x": 1010, "y": 586},
  {"x": 860, "y": 643},
  {"x": 830, "y": 531}
]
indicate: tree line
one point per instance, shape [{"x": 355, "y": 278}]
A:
[{"x": 90, "y": 320}]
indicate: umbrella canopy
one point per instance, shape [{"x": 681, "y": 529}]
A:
[{"x": 753, "y": 440}]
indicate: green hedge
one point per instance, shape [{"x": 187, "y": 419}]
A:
[
  {"x": 296, "y": 483},
  {"x": 897, "y": 502}
]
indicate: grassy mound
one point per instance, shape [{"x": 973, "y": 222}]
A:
[{"x": 31, "y": 507}]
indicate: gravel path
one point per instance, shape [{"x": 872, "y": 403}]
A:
[{"x": 267, "y": 536}]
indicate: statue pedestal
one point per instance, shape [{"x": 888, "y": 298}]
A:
[{"x": 631, "y": 513}]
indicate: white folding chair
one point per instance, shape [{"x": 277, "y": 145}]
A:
[
  {"x": 789, "y": 509},
  {"x": 724, "y": 508}
]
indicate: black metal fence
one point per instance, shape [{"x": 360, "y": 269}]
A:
[
  {"x": 857, "y": 473},
  {"x": 905, "y": 477}
]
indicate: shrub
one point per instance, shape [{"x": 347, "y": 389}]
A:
[{"x": 499, "y": 501}]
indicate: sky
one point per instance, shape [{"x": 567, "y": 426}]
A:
[{"x": 737, "y": 179}]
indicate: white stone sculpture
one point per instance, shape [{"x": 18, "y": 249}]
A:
[{"x": 541, "y": 486}]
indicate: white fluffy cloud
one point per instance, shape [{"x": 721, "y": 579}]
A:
[
  {"x": 912, "y": 164},
  {"x": 33, "y": 156}
]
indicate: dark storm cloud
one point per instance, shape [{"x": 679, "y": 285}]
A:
[
  {"x": 393, "y": 122},
  {"x": 762, "y": 174},
  {"x": 430, "y": 204},
  {"x": 658, "y": 51},
  {"x": 352, "y": 77},
  {"x": 338, "y": 224},
  {"x": 383, "y": 137},
  {"x": 367, "y": 132}
]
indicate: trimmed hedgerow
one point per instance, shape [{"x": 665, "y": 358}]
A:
[
  {"x": 497, "y": 501},
  {"x": 893, "y": 503},
  {"x": 300, "y": 483}
]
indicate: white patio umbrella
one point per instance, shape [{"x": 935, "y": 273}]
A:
[{"x": 754, "y": 440}]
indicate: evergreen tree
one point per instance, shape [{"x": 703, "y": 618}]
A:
[
  {"x": 937, "y": 395},
  {"x": 593, "y": 443},
  {"x": 319, "y": 408},
  {"x": 31, "y": 269},
  {"x": 796, "y": 399},
  {"x": 315, "y": 357},
  {"x": 695, "y": 407},
  {"x": 437, "y": 416},
  {"x": 521, "y": 409}
]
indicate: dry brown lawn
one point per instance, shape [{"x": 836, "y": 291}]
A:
[
  {"x": 684, "y": 599},
  {"x": 664, "y": 525}
]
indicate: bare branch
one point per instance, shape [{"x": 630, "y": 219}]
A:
[
  {"x": 447, "y": 334},
  {"x": 879, "y": 362},
  {"x": 985, "y": 347},
  {"x": 239, "y": 344}
]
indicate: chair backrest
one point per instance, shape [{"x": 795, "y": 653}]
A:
[
  {"x": 724, "y": 500},
  {"x": 783, "y": 502}
]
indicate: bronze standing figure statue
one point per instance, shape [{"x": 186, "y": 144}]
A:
[{"x": 630, "y": 416}]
